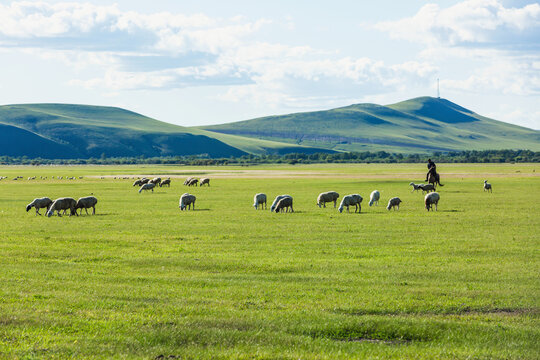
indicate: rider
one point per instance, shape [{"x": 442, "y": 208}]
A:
[{"x": 432, "y": 168}]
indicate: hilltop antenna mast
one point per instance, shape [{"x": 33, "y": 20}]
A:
[{"x": 438, "y": 92}]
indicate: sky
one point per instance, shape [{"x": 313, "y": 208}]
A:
[{"x": 211, "y": 61}]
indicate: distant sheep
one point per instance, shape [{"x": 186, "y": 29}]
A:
[
  {"x": 487, "y": 186},
  {"x": 284, "y": 205},
  {"x": 138, "y": 182},
  {"x": 279, "y": 197},
  {"x": 86, "y": 203},
  {"x": 186, "y": 200},
  {"x": 259, "y": 199},
  {"x": 39, "y": 203},
  {"x": 204, "y": 181},
  {"x": 350, "y": 200},
  {"x": 330, "y": 196},
  {"x": 156, "y": 181},
  {"x": 165, "y": 182},
  {"x": 374, "y": 197},
  {"x": 187, "y": 180},
  {"x": 416, "y": 187},
  {"x": 393, "y": 203},
  {"x": 144, "y": 180},
  {"x": 147, "y": 187},
  {"x": 62, "y": 204},
  {"x": 193, "y": 182},
  {"x": 430, "y": 200},
  {"x": 427, "y": 187}
]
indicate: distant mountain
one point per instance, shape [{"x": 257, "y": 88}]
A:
[
  {"x": 422, "y": 124},
  {"x": 82, "y": 131}
]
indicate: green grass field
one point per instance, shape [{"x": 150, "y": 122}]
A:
[{"x": 141, "y": 279}]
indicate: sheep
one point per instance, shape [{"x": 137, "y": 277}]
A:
[
  {"x": 374, "y": 197},
  {"x": 187, "y": 180},
  {"x": 329, "y": 196},
  {"x": 144, "y": 180},
  {"x": 85, "y": 203},
  {"x": 416, "y": 187},
  {"x": 487, "y": 186},
  {"x": 284, "y": 204},
  {"x": 165, "y": 182},
  {"x": 350, "y": 200},
  {"x": 393, "y": 203},
  {"x": 279, "y": 197},
  {"x": 62, "y": 204},
  {"x": 147, "y": 187},
  {"x": 186, "y": 200},
  {"x": 204, "y": 181},
  {"x": 193, "y": 182},
  {"x": 156, "y": 181},
  {"x": 39, "y": 203},
  {"x": 138, "y": 182},
  {"x": 427, "y": 187},
  {"x": 259, "y": 199},
  {"x": 430, "y": 199}
]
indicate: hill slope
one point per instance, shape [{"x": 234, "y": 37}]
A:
[
  {"x": 82, "y": 131},
  {"x": 416, "y": 125}
]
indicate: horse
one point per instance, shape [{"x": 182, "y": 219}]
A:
[{"x": 434, "y": 179}]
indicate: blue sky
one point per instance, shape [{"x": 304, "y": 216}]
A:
[{"x": 207, "y": 62}]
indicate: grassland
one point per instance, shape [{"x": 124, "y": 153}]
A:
[{"x": 141, "y": 279}]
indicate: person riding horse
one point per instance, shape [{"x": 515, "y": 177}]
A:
[{"x": 432, "y": 169}]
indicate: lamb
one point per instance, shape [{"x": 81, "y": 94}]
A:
[
  {"x": 393, "y": 203},
  {"x": 259, "y": 199},
  {"x": 487, "y": 186},
  {"x": 204, "y": 181},
  {"x": 374, "y": 197},
  {"x": 147, "y": 187},
  {"x": 279, "y": 197},
  {"x": 350, "y": 200},
  {"x": 165, "y": 182},
  {"x": 39, "y": 203},
  {"x": 427, "y": 187},
  {"x": 155, "y": 181},
  {"x": 186, "y": 200},
  {"x": 329, "y": 196},
  {"x": 193, "y": 182},
  {"x": 86, "y": 203},
  {"x": 284, "y": 204},
  {"x": 430, "y": 199},
  {"x": 62, "y": 204},
  {"x": 416, "y": 187}
]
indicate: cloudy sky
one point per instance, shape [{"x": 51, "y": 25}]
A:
[{"x": 213, "y": 61}]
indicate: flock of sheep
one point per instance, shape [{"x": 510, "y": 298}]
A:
[{"x": 63, "y": 204}]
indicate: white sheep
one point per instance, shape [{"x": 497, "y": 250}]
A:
[
  {"x": 204, "y": 181},
  {"x": 138, "y": 183},
  {"x": 393, "y": 203},
  {"x": 165, "y": 182},
  {"x": 62, "y": 204},
  {"x": 430, "y": 199},
  {"x": 279, "y": 197},
  {"x": 156, "y": 181},
  {"x": 193, "y": 182},
  {"x": 350, "y": 200},
  {"x": 187, "y": 180},
  {"x": 186, "y": 200},
  {"x": 284, "y": 204},
  {"x": 416, "y": 187},
  {"x": 86, "y": 203},
  {"x": 259, "y": 199},
  {"x": 39, "y": 203},
  {"x": 146, "y": 187},
  {"x": 374, "y": 197},
  {"x": 487, "y": 186},
  {"x": 329, "y": 196},
  {"x": 427, "y": 187}
]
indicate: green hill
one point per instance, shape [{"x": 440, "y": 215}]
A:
[
  {"x": 82, "y": 131},
  {"x": 416, "y": 125}
]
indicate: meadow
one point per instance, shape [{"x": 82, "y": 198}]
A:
[{"x": 141, "y": 279}]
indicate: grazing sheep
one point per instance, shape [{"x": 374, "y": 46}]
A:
[
  {"x": 147, "y": 187},
  {"x": 279, "y": 197},
  {"x": 138, "y": 183},
  {"x": 86, "y": 203},
  {"x": 329, "y": 196},
  {"x": 259, "y": 199},
  {"x": 39, "y": 203},
  {"x": 165, "y": 182},
  {"x": 62, "y": 204},
  {"x": 350, "y": 200},
  {"x": 374, "y": 197},
  {"x": 187, "y": 180},
  {"x": 193, "y": 182},
  {"x": 393, "y": 203},
  {"x": 156, "y": 181},
  {"x": 144, "y": 180},
  {"x": 204, "y": 181},
  {"x": 427, "y": 187},
  {"x": 430, "y": 199},
  {"x": 487, "y": 186},
  {"x": 284, "y": 204},
  {"x": 186, "y": 200},
  {"x": 416, "y": 187}
]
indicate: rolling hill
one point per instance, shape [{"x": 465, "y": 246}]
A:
[
  {"x": 66, "y": 131},
  {"x": 422, "y": 124}
]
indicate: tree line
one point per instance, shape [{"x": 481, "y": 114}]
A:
[{"x": 467, "y": 156}]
